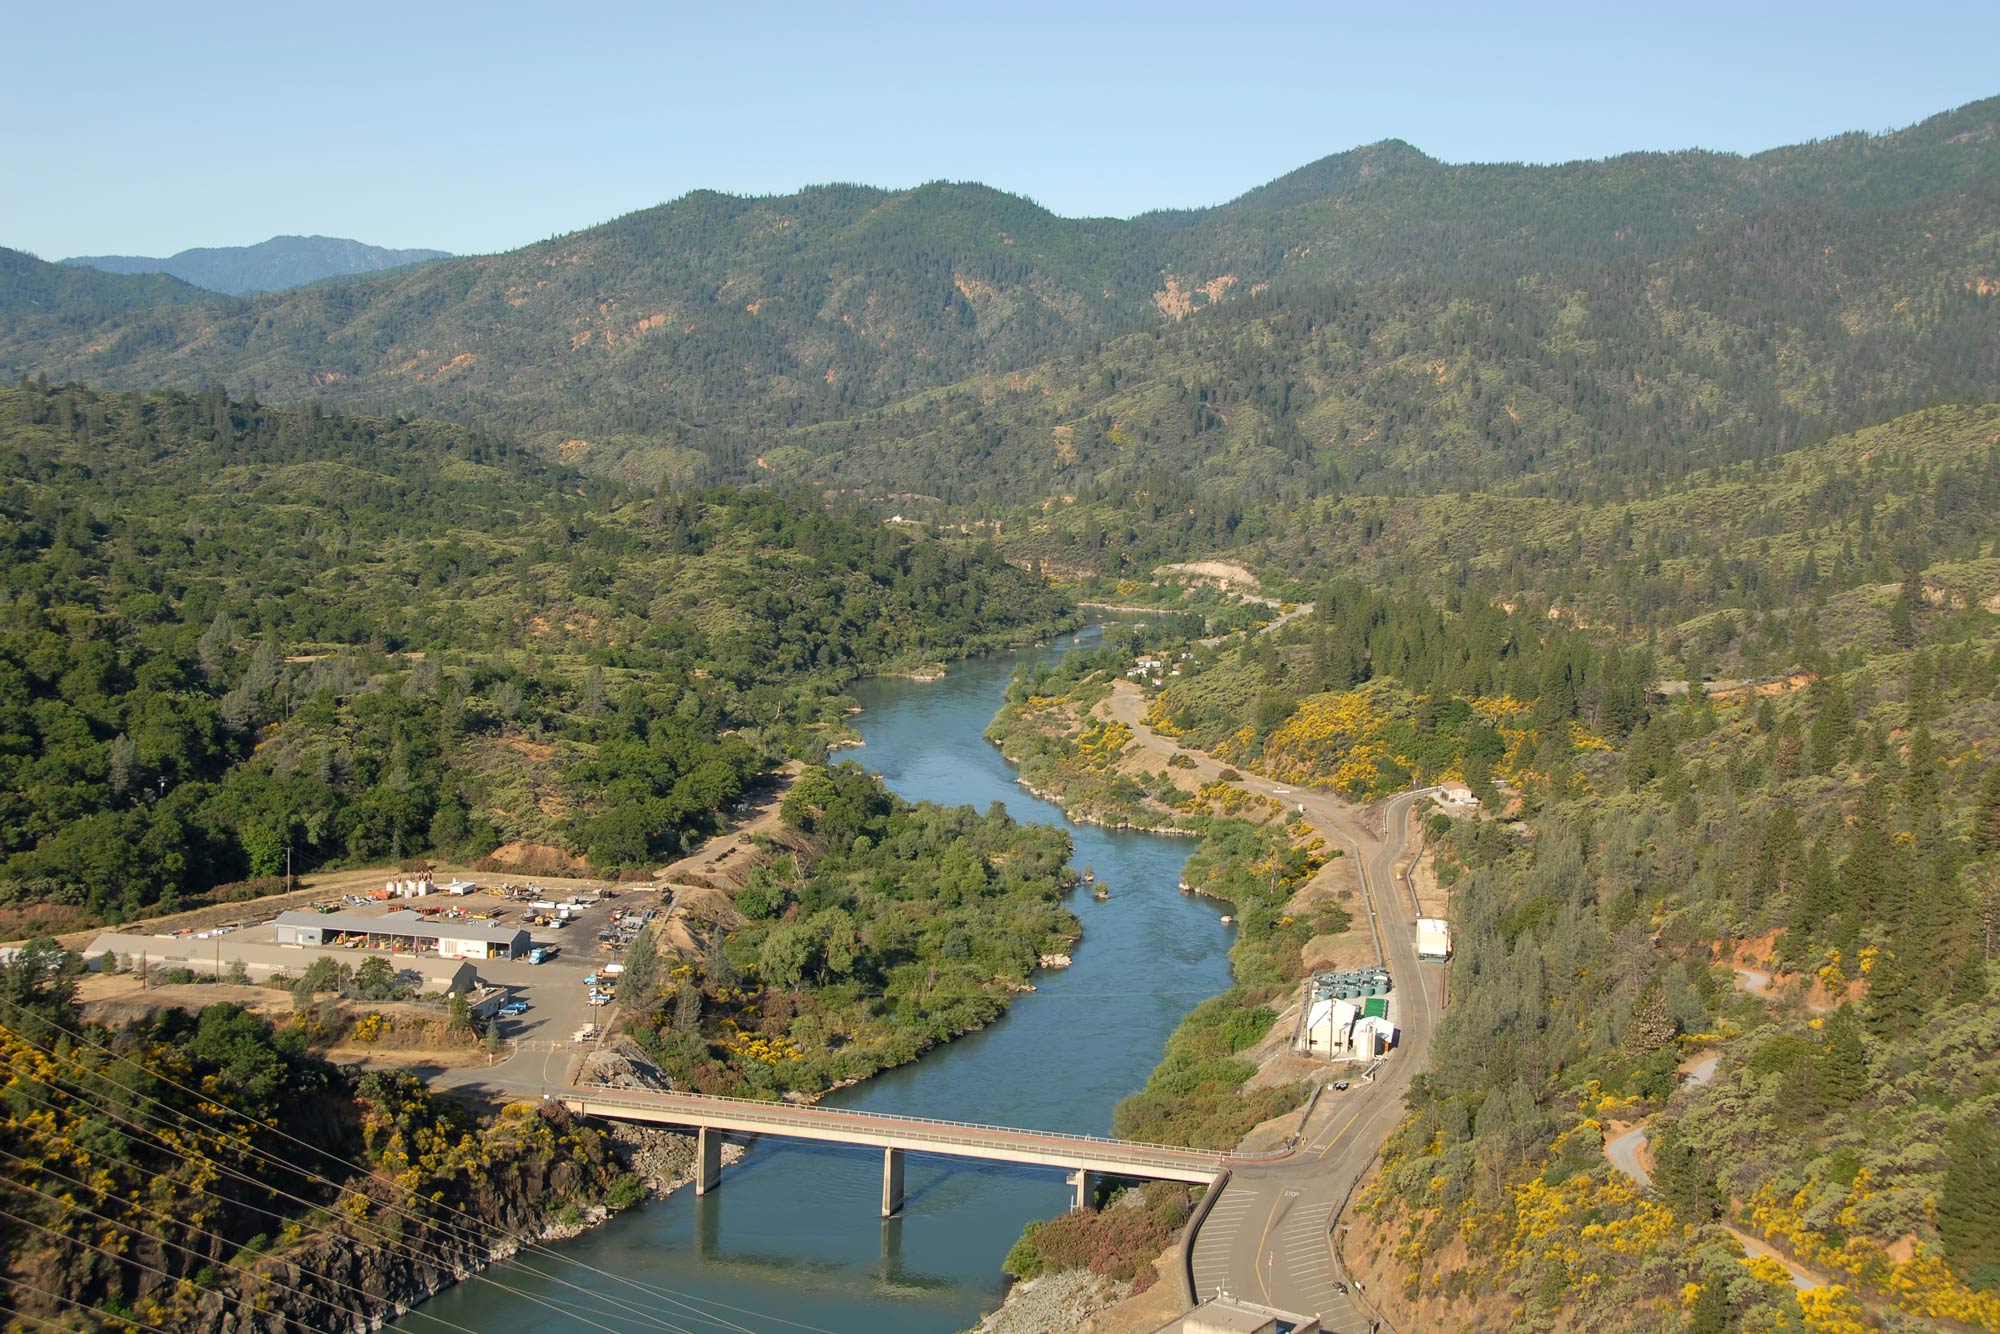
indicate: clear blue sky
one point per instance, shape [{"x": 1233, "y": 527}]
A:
[{"x": 146, "y": 128}]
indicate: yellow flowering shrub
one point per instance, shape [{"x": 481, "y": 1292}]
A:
[{"x": 1923, "y": 1284}]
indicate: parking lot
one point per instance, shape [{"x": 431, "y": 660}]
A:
[
  {"x": 581, "y": 925},
  {"x": 585, "y": 940}
]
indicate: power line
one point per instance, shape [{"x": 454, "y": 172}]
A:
[
  {"x": 684, "y": 1301},
  {"x": 268, "y": 1279},
  {"x": 130, "y": 1230},
  {"x": 109, "y": 1255},
  {"x": 380, "y": 1236},
  {"x": 687, "y": 1301}
]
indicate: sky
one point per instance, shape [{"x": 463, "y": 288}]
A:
[{"x": 149, "y": 128}]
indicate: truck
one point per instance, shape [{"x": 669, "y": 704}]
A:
[{"x": 540, "y": 954}]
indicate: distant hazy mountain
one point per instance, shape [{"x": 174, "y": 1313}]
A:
[{"x": 268, "y": 266}]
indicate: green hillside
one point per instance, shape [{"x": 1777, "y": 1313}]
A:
[
  {"x": 81, "y": 297},
  {"x": 1605, "y": 382},
  {"x": 722, "y": 326},
  {"x": 230, "y": 629}
]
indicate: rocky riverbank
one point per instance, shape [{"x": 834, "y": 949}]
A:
[
  {"x": 368, "y": 1278},
  {"x": 1059, "y": 1301}
]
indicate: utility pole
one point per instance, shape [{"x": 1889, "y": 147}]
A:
[{"x": 288, "y": 868}]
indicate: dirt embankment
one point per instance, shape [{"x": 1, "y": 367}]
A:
[
  {"x": 1221, "y": 573},
  {"x": 704, "y": 883}
]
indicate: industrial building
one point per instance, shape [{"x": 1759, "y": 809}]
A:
[
  {"x": 262, "y": 961},
  {"x": 1433, "y": 939},
  {"x": 1347, "y": 1016},
  {"x": 403, "y": 931}
]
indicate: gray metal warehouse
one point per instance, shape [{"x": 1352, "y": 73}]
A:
[{"x": 406, "y": 931}]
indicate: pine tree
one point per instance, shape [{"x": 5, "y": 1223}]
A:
[
  {"x": 1969, "y": 1207},
  {"x": 1710, "y": 1312},
  {"x": 1831, "y": 728},
  {"x": 1902, "y": 615},
  {"x": 1817, "y": 897},
  {"x": 1895, "y": 1006},
  {"x": 1968, "y": 980},
  {"x": 1870, "y": 878},
  {"x": 1986, "y": 818},
  {"x": 1920, "y": 782},
  {"x": 639, "y": 984},
  {"x": 1842, "y": 1066}
]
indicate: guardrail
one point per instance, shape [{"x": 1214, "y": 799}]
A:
[
  {"x": 930, "y": 1129},
  {"x": 1192, "y": 1231}
]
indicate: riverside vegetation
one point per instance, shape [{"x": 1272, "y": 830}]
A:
[{"x": 881, "y": 929}]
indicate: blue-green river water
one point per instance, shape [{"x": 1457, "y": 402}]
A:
[{"x": 793, "y": 1237}]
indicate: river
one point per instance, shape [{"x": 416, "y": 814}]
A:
[{"x": 793, "y": 1237}]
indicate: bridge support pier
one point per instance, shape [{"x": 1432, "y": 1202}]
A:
[
  {"x": 707, "y": 1160},
  {"x": 892, "y": 1182},
  {"x": 1086, "y": 1182}
]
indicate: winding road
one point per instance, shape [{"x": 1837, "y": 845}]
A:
[{"x": 1269, "y": 1237}]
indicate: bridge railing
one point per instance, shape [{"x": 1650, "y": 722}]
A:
[{"x": 1157, "y": 1155}]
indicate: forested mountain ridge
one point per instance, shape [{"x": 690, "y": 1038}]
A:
[
  {"x": 1704, "y": 559},
  {"x": 31, "y": 286},
  {"x": 268, "y": 266},
  {"x": 693, "y": 333},
  {"x": 1604, "y": 382},
  {"x": 1389, "y": 210}
]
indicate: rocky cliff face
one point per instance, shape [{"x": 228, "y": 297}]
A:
[{"x": 346, "y": 1282}]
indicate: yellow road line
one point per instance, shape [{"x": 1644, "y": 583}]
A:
[
  {"x": 1263, "y": 1282},
  {"x": 1338, "y": 1133}
]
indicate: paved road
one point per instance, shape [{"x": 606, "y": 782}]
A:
[
  {"x": 1268, "y": 1238},
  {"x": 1623, "y": 1151}
]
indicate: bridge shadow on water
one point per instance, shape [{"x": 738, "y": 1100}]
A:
[{"x": 929, "y": 1178}]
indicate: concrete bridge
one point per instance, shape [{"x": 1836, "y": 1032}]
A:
[{"x": 1087, "y": 1158}]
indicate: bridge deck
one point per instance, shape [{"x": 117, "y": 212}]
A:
[{"x": 959, "y": 1139}]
